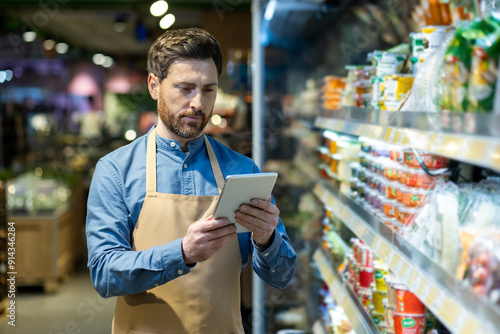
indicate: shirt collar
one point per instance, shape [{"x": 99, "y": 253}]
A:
[{"x": 169, "y": 144}]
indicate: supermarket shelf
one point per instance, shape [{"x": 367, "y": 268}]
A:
[
  {"x": 468, "y": 137},
  {"x": 358, "y": 317},
  {"x": 455, "y": 304},
  {"x": 319, "y": 328}
]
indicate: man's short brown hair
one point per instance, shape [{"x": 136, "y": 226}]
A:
[{"x": 188, "y": 43}]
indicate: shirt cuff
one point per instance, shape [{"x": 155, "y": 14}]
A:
[
  {"x": 271, "y": 252},
  {"x": 173, "y": 260}
]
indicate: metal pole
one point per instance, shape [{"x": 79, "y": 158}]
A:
[{"x": 258, "y": 319}]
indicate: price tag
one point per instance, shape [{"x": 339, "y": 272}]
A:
[
  {"x": 432, "y": 296},
  {"x": 418, "y": 288},
  {"x": 423, "y": 290},
  {"x": 395, "y": 263},
  {"x": 413, "y": 279},
  {"x": 383, "y": 251},
  {"x": 388, "y": 258},
  {"x": 376, "y": 245},
  {"x": 448, "y": 313},
  {"x": 402, "y": 269}
]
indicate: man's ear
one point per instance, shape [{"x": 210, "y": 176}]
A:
[{"x": 153, "y": 86}]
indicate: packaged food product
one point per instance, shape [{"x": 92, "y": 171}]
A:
[
  {"x": 389, "y": 318},
  {"x": 412, "y": 197},
  {"x": 434, "y": 36},
  {"x": 389, "y": 105},
  {"x": 381, "y": 270},
  {"x": 418, "y": 178},
  {"x": 400, "y": 191},
  {"x": 402, "y": 171},
  {"x": 457, "y": 65},
  {"x": 406, "y": 214},
  {"x": 365, "y": 297},
  {"x": 360, "y": 188},
  {"x": 378, "y": 317},
  {"x": 396, "y": 153},
  {"x": 378, "y": 202},
  {"x": 390, "y": 189},
  {"x": 430, "y": 161},
  {"x": 409, "y": 323},
  {"x": 417, "y": 43},
  {"x": 407, "y": 301},
  {"x": 389, "y": 63},
  {"x": 396, "y": 86},
  {"x": 363, "y": 159},
  {"x": 484, "y": 73},
  {"x": 365, "y": 277},
  {"x": 388, "y": 207}
]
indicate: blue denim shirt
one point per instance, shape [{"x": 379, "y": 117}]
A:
[{"x": 115, "y": 200}]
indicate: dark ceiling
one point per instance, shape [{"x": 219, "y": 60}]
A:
[{"x": 89, "y": 24}]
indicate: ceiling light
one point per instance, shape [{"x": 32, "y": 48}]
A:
[
  {"x": 271, "y": 8},
  {"x": 49, "y": 44},
  {"x": 159, "y": 8},
  {"x": 29, "y": 36},
  {"x": 167, "y": 21},
  {"x": 8, "y": 75},
  {"x": 62, "y": 48},
  {"x": 108, "y": 62},
  {"x": 3, "y": 76},
  {"x": 98, "y": 58}
]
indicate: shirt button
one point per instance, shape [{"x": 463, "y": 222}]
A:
[
  {"x": 185, "y": 166},
  {"x": 266, "y": 254},
  {"x": 273, "y": 271},
  {"x": 179, "y": 272},
  {"x": 156, "y": 284},
  {"x": 172, "y": 144}
]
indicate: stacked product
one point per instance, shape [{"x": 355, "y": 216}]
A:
[
  {"x": 390, "y": 182},
  {"x": 358, "y": 86},
  {"x": 459, "y": 227},
  {"x": 337, "y": 153},
  {"x": 332, "y": 89},
  {"x": 332, "y": 316}
]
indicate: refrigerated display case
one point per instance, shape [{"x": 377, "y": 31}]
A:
[{"x": 306, "y": 45}]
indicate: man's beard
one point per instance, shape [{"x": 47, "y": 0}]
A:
[{"x": 177, "y": 123}]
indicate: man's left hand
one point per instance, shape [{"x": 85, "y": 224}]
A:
[{"x": 261, "y": 218}]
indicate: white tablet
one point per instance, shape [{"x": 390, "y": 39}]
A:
[{"x": 242, "y": 188}]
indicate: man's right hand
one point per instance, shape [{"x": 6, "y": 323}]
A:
[{"x": 205, "y": 238}]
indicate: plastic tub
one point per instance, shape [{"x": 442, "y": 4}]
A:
[
  {"x": 365, "y": 277},
  {"x": 406, "y": 214},
  {"x": 378, "y": 202},
  {"x": 360, "y": 188},
  {"x": 388, "y": 207},
  {"x": 363, "y": 159},
  {"x": 407, "y": 301},
  {"x": 402, "y": 171},
  {"x": 391, "y": 282},
  {"x": 390, "y": 189},
  {"x": 430, "y": 161},
  {"x": 409, "y": 323},
  {"x": 400, "y": 191},
  {"x": 389, "y": 318},
  {"x": 418, "y": 178},
  {"x": 412, "y": 197},
  {"x": 378, "y": 317},
  {"x": 396, "y": 154},
  {"x": 365, "y": 297},
  {"x": 390, "y": 170}
]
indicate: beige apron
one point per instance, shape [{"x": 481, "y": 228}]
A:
[{"x": 206, "y": 300}]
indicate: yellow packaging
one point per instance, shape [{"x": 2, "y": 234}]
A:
[
  {"x": 378, "y": 296},
  {"x": 395, "y": 87},
  {"x": 389, "y": 105},
  {"x": 380, "y": 272}
]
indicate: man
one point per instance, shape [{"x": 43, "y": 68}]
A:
[{"x": 151, "y": 238}]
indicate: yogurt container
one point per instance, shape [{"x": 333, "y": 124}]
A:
[
  {"x": 409, "y": 323},
  {"x": 407, "y": 301},
  {"x": 406, "y": 214},
  {"x": 389, "y": 63},
  {"x": 395, "y": 87}
]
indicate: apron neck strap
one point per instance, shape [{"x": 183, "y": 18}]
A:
[
  {"x": 151, "y": 164},
  {"x": 219, "y": 177}
]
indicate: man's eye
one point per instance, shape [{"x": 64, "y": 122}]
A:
[
  {"x": 185, "y": 89},
  {"x": 209, "y": 90}
]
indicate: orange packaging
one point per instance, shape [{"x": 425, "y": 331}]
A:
[
  {"x": 413, "y": 197},
  {"x": 409, "y": 323},
  {"x": 388, "y": 207},
  {"x": 390, "y": 172},
  {"x": 418, "y": 178},
  {"x": 390, "y": 189},
  {"x": 430, "y": 161},
  {"x": 408, "y": 302},
  {"x": 406, "y": 214},
  {"x": 402, "y": 174}
]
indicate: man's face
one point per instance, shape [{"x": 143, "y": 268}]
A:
[{"x": 186, "y": 96}]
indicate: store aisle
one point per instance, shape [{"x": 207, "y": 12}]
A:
[{"x": 74, "y": 308}]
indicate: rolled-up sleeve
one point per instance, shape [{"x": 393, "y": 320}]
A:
[
  {"x": 275, "y": 265},
  {"x": 115, "y": 268}
]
